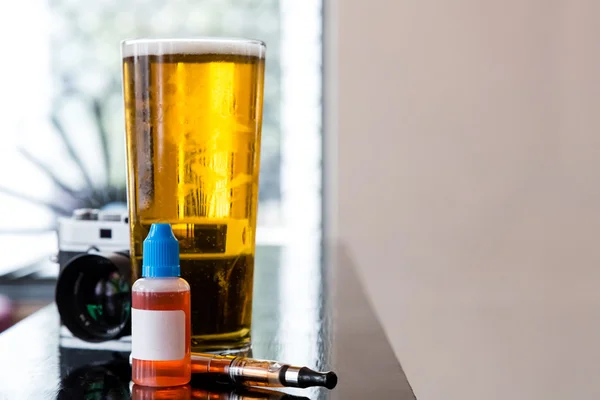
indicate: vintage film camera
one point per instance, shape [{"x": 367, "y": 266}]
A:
[{"x": 93, "y": 289}]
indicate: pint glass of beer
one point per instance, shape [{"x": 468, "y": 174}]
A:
[{"x": 193, "y": 115}]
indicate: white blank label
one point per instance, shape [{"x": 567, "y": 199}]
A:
[{"x": 157, "y": 335}]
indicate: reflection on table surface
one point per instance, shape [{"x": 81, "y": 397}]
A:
[
  {"x": 188, "y": 392},
  {"x": 111, "y": 380},
  {"x": 92, "y": 374}
]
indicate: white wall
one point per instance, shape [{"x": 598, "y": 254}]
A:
[{"x": 464, "y": 145}]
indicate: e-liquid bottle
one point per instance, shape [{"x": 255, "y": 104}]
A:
[{"x": 160, "y": 315}]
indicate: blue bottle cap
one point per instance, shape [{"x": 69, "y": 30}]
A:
[{"x": 161, "y": 253}]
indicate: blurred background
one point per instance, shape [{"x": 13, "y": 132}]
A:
[{"x": 63, "y": 127}]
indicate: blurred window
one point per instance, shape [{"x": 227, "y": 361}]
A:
[{"x": 62, "y": 112}]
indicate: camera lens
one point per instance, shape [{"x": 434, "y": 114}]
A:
[{"x": 93, "y": 296}]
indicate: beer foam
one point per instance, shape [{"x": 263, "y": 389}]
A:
[{"x": 159, "y": 47}]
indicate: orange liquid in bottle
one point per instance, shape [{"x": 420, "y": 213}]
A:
[{"x": 163, "y": 373}]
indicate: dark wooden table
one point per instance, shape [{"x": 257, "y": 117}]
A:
[{"x": 310, "y": 315}]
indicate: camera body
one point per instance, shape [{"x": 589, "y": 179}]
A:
[
  {"x": 94, "y": 267},
  {"x": 91, "y": 230}
]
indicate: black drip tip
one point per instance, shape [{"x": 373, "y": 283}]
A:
[{"x": 307, "y": 378}]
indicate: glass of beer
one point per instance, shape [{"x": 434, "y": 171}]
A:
[{"x": 193, "y": 116}]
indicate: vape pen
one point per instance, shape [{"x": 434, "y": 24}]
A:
[{"x": 251, "y": 372}]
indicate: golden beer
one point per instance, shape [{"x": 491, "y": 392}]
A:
[{"x": 193, "y": 113}]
